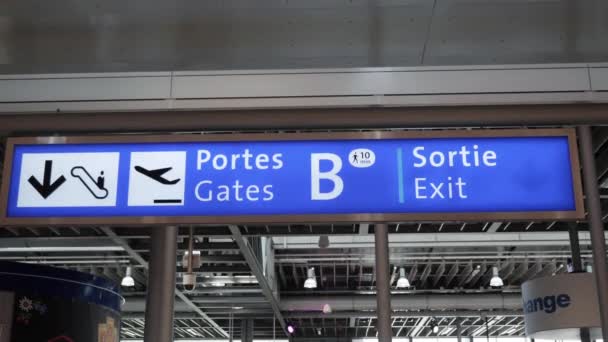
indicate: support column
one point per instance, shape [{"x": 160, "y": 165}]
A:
[
  {"x": 577, "y": 267},
  {"x": 575, "y": 248},
  {"x": 161, "y": 285},
  {"x": 383, "y": 290},
  {"x": 7, "y": 300},
  {"x": 231, "y": 328},
  {"x": 247, "y": 330},
  {"x": 458, "y": 330},
  {"x": 596, "y": 226}
]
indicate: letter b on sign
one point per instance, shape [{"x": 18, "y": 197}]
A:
[{"x": 331, "y": 176}]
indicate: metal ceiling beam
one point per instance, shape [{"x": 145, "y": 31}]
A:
[
  {"x": 218, "y": 259},
  {"x": 46, "y": 245},
  {"x": 451, "y": 274},
  {"x": 532, "y": 272},
  {"x": 294, "y": 273},
  {"x": 215, "y": 291},
  {"x": 393, "y": 276},
  {"x": 506, "y": 326},
  {"x": 438, "y": 274},
  {"x": 412, "y": 240},
  {"x": 425, "y": 274},
  {"x": 360, "y": 274},
  {"x": 321, "y": 276},
  {"x": 486, "y": 277},
  {"x": 466, "y": 273},
  {"x": 494, "y": 227},
  {"x": 402, "y": 302},
  {"x": 218, "y": 314},
  {"x": 205, "y": 270},
  {"x": 412, "y": 275},
  {"x": 401, "y": 328},
  {"x": 259, "y": 274},
  {"x": 398, "y": 314},
  {"x": 478, "y": 273},
  {"x": 364, "y": 229},
  {"x": 506, "y": 271},
  {"x": 230, "y": 301},
  {"x": 518, "y": 273},
  {"x": 347, "y": 280},
  {"x": 204, "y": 246},
  {"x": 282, "y": 277},
  {"x": 144, "y": 244},
  {"x": 164, "y": 121},
  {"x": 125, "y": 245},
  {"x": 420, "y": 324},
  {"x": 13, "y": 231}
]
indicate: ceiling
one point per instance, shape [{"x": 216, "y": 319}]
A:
[
  {"x": 449, "y": 265},
  {"x": 68, "y": 36}
]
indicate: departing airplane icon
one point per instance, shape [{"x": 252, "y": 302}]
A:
[{"x": 157, "y": 175}]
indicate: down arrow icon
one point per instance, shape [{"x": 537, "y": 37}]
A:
[{"x": 46, "y": 188}]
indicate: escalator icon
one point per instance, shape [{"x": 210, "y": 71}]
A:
[{"x": 95, "y": 186}]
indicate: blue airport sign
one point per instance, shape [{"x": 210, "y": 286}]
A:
[{"x": 338, "y": 177}]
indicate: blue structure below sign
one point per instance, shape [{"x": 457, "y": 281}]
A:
[{"x": 293, "y": 177}]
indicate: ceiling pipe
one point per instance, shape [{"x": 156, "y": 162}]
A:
[
  {"x": 407, "y": 302},
  {"x": 257, "y": 313},
  {"x": 413, "y": 240},
  {"x": 491, "y": 301},
  {"x": 401, "y": 314}
]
